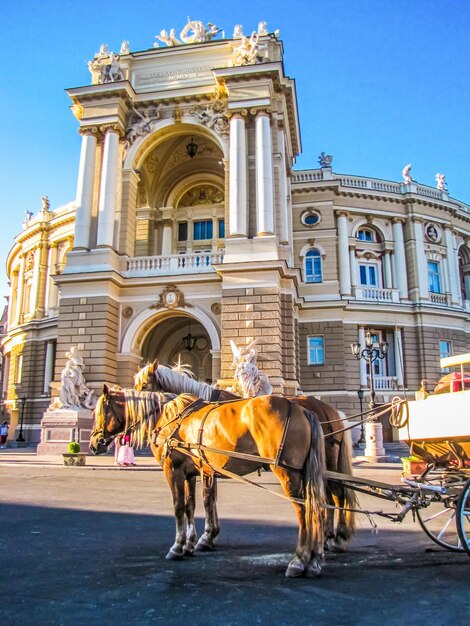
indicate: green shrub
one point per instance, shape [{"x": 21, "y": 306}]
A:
[{"x": 74, "y": 447}]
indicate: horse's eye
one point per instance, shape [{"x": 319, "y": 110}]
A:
[{"x": 144, "y": 386}]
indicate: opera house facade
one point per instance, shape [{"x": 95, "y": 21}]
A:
[{"x": 192, "y": 227}]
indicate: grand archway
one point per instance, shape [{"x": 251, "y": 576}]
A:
[{"x": 180, "y": 338}]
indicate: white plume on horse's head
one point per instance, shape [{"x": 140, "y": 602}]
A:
[{"x": 183, "y": 368}]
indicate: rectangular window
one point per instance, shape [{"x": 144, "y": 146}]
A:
[
  {"x": 434, "y": 277},
  {"x": 368, "y": 275},
  {"x": 445, "y": 350},
  {"x": 202, "y": 230},
  {"x": 221, "y": 229},
  {"x": 182, "y": 231},
  {"x": 316, "y": 351}
]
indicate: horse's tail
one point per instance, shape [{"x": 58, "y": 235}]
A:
[
  {"x": 350, "y": 500},
  {"x": 313, "y": 480}
]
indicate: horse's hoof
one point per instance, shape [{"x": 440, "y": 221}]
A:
[
  {"x": 204, "y": 546},
  {"x": 295, "y": 569},
  {"x": 188, "y": 551},
  {"x": 174, "y": 556},
  {"x": 313, "y": 569},
  {"x": 338, "y": 545}
]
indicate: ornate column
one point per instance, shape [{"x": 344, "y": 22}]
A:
[
  {"x": 49, "y": 366},
  {"x": 400, "y": 277},
  {"x": 13, "y": 301},
  {"x": 452, "y": 265},
  {"x": 421, "y": 261},
  {"x": 51, "y": 296},
  {"x": 84, "y": 199},
  {"x": 264, "y": 175},
  {"x": 399, "y": 358},
  {"x": 36, "y": 284},
  {"x": 282, "y": 178},
  {"x": 352, "y": 266},
  {"x": 362, "y": 363},
  {"x": 387, "y": 269},
  {"x": 107, "y": 202},
  {"x": 343, "y": 254},
  {"x": 168, "y": 216},
  {"x": 20, "y": 292},
  {"x": 238, "y": 207}
]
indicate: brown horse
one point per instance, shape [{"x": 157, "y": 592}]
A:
[
  {"x": 338, "y": 449},
  {"x": 227, "y": 439}
]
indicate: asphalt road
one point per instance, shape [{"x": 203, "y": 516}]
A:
[{"x": 87, "y": 546}]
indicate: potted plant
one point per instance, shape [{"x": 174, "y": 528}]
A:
[
  {"x": 73, "y": 456},
  {"x": 413, "y": 465}
]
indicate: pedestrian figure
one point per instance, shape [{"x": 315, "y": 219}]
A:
[
  {"x": 3, "y": 434},
  {"x": 124, "y": 454}
]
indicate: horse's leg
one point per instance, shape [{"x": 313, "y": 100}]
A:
[
  {"x": 330, "y": 519},
  {"x": 190, "y": 505},
  {"x": 211, "y": 526},
  {"x": 345, "y": 499},
  {"x": 176, "y": 480},
  {"x": 291, "y": 482}
]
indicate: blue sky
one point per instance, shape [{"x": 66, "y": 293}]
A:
[{"x": 380, "y": 83}]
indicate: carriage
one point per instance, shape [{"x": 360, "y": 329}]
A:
[
  {"x": 437, "y": 429},
  {"x": 210, "y": 439}
]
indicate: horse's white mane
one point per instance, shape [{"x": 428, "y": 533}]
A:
[{"x": 143, "y": 410}]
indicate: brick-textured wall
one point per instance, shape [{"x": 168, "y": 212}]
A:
[
  {"x": 92, "y": 324},
  {"x": 264, "y": 314}
]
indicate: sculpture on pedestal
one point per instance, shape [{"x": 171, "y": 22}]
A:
[
  {"x": 441, "y": 182},
  {"x": 406, "y": 173},
  {"x": 248, "y": 51},
  {"x": 105, "y": 68},
  {"x": 249, "y": 381},
  {"x": 325, "y": 160},
  {"x": 74, "y": 392},
  {"x": 200, "y": 34}
]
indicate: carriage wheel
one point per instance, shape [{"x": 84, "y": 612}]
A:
[
  {"x": 463, "y": 518},
  {"x": 440, "y": 520}
]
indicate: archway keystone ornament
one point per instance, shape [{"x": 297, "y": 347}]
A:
[{"x": 170, "y": 298}]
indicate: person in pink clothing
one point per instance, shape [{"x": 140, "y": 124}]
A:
[{"x": 124, "y": 453}]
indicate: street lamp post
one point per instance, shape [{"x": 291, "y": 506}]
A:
[
  {"x": 360, "y": 395},
  {"x": 20, "y": 438},
  {"x": 373, "y": 428}
]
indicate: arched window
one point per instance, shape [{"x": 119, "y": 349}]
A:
[
  {"x": 313, "y": 266},
  {"x": 366, "y": 234}
]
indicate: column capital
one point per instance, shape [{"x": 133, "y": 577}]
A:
[
  {"x": 112, "y": 128},
  {"x": 417, "y": 220},
  {"x": 242, "y": 113},
  {"x": 341, "y": 213},
  {"x": 88, "y": 131},
  {"x": 398, "y": 220},
  {"x": 266, "y": 111}
]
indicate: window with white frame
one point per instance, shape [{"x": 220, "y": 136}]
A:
[
  {"x": 434, "y": 277},
  {"x": 366, "y": 234},
  {"x": 313, "y": 266},
  {"x": 316, "y": 350},
  {"x": 445, "y": 350},
  {"x": 369, "y": 274}
]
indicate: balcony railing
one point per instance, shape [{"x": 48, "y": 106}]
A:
[
  {"x": 375, "y": 184},
  {"x": 174, "y": 264},
  {"x": 372, "y": 294},
  {"x": 442, "y": 299},
  {"x": 384, "y": 383}
]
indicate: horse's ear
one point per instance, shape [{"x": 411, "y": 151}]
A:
[
  {"x": 105, "y": 390},
  {"x": 154, "y": 366}
]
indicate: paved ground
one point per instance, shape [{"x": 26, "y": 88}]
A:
[{"x": 87, "y": 546}]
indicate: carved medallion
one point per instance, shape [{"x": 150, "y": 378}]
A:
[{"x": 170, "y": 298}]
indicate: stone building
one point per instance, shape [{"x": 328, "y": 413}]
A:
[{"x": 191, "y": 227}]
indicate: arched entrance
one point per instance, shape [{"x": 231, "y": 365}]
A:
[{"x": 183, "y": 338}]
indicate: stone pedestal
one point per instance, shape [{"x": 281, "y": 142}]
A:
[
  {"x": 374, "y": 451},
  {"x": 60, "y": 427}
]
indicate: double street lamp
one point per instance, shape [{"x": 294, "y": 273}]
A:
[
  {"x": 373, "y": 436},
  {"x": 370, "y": 354}
]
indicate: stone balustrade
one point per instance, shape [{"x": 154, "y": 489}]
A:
[
  {"x": 373, "y": 294},
  {"x": 173, "y": 264},
  {"x": 385, "y": 383},
  {"x": 375, "y": 184}
]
